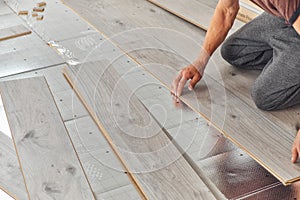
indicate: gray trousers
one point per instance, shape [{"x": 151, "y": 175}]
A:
[{"x": 267, "y": 43}]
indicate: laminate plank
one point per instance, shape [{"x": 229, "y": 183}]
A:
[
  {"x": 23, "y": 54},
  {"x": 66, "y": 100},
  {"x": 13, "y": 32},
  {"x": 241, "y": 123},
  {"x": 104, "y": 170},
  {"x": 52, "y": 27},
  {"x": 202, "y": 143},
  {"x": 145, "y": 151},
  {"x": 49, "y": 164},
  {"x": 4, "y": 9},
  {"x": 11, "y": 177},
  {"x": 190, "y": 11},
  {"x": 185, "y": 46},
  {"x": 218, "y": 117},
  {"x": 223, "y": 108}
]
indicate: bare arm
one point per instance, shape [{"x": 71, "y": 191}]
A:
[
  {"x": 221, "y": 23},
  {"x": 296, "y": 25}
]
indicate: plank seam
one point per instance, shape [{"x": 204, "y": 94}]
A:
[{"x": 106, "y": 135}]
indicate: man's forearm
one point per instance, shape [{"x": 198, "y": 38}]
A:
[{"x": 221, "y": 23}]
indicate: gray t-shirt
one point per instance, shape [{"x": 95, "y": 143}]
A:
[{"x": 287, "y": 9}]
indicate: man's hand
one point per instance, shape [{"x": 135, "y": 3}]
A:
[
  {"x": 296, "y": 147},
  {"x": 187, "y": 73}
]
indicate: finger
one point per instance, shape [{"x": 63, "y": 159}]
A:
[
  {"x": 294, "y": 154},
  {"x": 175, "y": 82},
  {"x": 194, "y": 81},
  {"x": 180, "y": 86}
]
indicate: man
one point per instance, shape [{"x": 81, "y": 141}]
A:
[{"x": 270, "y": 42}]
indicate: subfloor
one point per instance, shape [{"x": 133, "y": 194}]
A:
[{"x": 63, "y": 38}]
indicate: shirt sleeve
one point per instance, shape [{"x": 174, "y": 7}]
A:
[{"x": 288, "y": 9}]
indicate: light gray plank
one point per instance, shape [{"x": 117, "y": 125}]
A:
[
  {"x": 59, "y": 22},
  {"x": 187, "y": 46},
  {"x": 66, "y": 100},
  {"x": 143, "y": 147},
  {"x": 212, "y": 97},
  {"x": 11, "y": 177},
  {"x": 124, "y": 192},
  {"x": 14, "y": 31},
  {"x": 26, "y": 53},
  {"x": 4, "y": 9},
  {"x": 220, "y": 101},
  {"x": 276, "y": 192},
  {"x": 201, "y": 141},
  {"x": 104, "y": 170},
  {"x": 190, "y": 11},
  {"x": 49, "y": 164},
  {"x": 10, "y": 19},
  {"x": 212, "y": 3},
  {"x": 115, "y": 22}
]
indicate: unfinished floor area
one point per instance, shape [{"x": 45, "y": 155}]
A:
[{"x": 103, "y": 69}]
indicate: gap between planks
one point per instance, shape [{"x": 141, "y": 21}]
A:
[
  {"x": 13, "y": 32},
  {"x": 105, "y": 134},
  {"x": 136, "y": 163},
  {"x": 197, "y": 111}
]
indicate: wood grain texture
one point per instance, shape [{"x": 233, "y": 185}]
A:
[
  {"x": 103, "y": 169},
  {"x": 192, "y": 11},
  {"x": 14, "y": 31},
  {"x": 155, "y": 165},
  {"x": 11, "y": 177},
  {"x": 275, "y": 122},
  {"x": 66, "y": 100},
  {"x": 241, "y": 123},
  {"x": 49, "y": 164}
]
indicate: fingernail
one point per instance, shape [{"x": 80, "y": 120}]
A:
[{"x": 190, "y": 88}]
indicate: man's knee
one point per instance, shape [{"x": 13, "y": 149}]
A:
[
  {"x": 228, "y": 51},
  {"x": 264, "y": 98}
]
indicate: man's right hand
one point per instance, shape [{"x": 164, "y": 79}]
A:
[{"x": 187, "y": 73}]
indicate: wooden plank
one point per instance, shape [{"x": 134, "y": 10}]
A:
[
  {"x": 268, "y": 122},
  {"x": 26, "y": 53},
  {"x": 13, "y": 32},
  {"x": 103, "y": 169},
  {"x": 187, "y": 46},
  {"x": 52, "y": 27},
  {"x": 192, "y": 11},
  {"x": 143, "y": 148},
  {"x": 11, "y": 177},
  {"x": 243, "y": 124},
  {"x": 4, "y": 9},
  {"x": 66, "y": 100},
  {"x": 49, "y": 164}
]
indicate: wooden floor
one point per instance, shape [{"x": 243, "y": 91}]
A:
[
  {"x": 151, "y": 48},
  {"x": 216, "y": 160}
]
